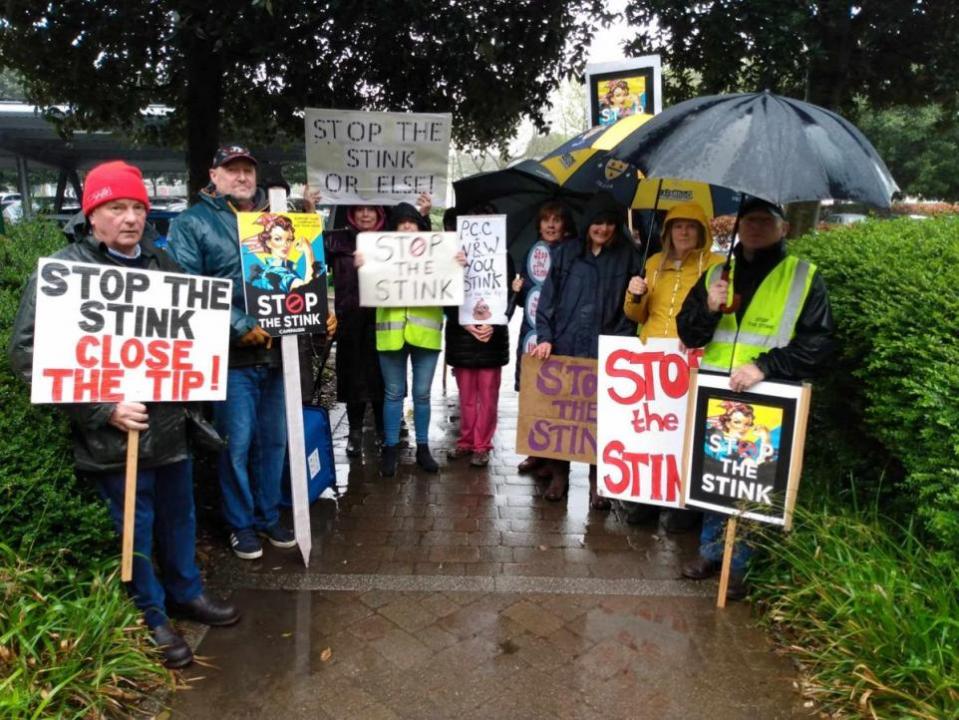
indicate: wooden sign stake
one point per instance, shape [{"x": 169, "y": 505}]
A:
[
  {"x": 294, "y": 422},
  {"x": 727, "y": 561},
  {"x": 129, "y": 505}
]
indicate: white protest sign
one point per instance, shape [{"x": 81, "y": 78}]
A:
[
  {"x": 483, "y": 239},
  {"x": 409, "y": 269},
  {"x": 377, "y": 158},
  {"x": 111, "y": 334},
  {"x": 641, "y": 409}
]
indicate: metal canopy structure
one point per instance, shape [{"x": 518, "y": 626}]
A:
[{"x": 27, "y": 137}]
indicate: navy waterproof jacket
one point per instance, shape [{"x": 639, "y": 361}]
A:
[{"x": 582, "y": 297}]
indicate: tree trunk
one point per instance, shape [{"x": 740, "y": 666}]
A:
[
  {"x": 204, "y": 98},
  {"x": 803, "y": 217}
]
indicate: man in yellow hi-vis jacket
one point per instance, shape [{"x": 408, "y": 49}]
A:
[{"x": 780, "y": 329}]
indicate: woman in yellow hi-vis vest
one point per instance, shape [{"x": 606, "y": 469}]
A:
[
  {"x": 779, "y": 328},
  {"x": 414, "y": 333}
]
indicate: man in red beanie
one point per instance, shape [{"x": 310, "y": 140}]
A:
[{"x": 115, "y": 203}]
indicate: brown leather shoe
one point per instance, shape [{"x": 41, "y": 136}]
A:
[
  {"x": 596, "y": 501},
  {"x": 559, "y": 485},
  {"x": 700, "y": 568}
]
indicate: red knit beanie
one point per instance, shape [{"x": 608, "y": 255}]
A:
[{"x": 113, "y": 181}]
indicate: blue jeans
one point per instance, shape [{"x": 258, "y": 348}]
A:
[
  {"x": 393, "y": 367},
  {"x": 164, "y": 511},
  {"x": 253, "y": 420},
  {"x": 712, "y": 542}
]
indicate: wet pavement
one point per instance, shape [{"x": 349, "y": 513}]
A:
[{"x": 468, "y": 595}]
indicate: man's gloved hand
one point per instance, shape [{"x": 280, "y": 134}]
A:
[
  {"x": 256, "y": 336},
  {"x": 331, "y": 325}
]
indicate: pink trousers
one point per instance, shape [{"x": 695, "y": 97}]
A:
[{"x": 479, "y": 400}]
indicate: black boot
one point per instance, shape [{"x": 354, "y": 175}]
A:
[
  {"x": 206, "y": 610},
  {"x": 354, "y": 443},
  {"x": 424, "y": 459},
  {"x": 388, "y": 460},
  {"x": 176, "y": 653}
]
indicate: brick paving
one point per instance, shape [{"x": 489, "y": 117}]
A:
[{"x": 468, "y": 595}]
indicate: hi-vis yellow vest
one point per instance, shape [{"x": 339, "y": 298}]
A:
[
  {"x": 769, "y": 321},
  {"x": 421, "y": 327}
]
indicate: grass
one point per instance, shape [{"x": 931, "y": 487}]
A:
[
  {"x": 72, "y": 645},
  {"x": 870, "y": 614}
]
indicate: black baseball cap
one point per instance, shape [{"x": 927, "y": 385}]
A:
[
  {"x": 752, "y": 203},
  {"x": 229, "y": 153}
]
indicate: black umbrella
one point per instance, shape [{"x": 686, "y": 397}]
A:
[
  {"x": 516, "y": 192},
  {"x": 766, "y": 145}
]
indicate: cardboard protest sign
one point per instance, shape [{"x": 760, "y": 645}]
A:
[
  {"x": 377, "y": 158},
  {"x": 284, "y": 272},
  {"x": 109, "y": 334},
  {"x": 642, "y": 400},
  {"x": 409, "y": 269},
  {"x": 483, "y": 239},
  {"x": 557, "y": 409},
  {"x": 744, "y": 450}
]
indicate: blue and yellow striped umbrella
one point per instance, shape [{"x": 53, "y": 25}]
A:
[{"x": 585, "y": 164}]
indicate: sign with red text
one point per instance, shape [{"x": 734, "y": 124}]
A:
[
  {"x": 355, "y": 157},
  {"x": 109, "y": 334},
  {"x": 557, "y": 409},
  {"x": 642, "y": 399},
  {"x": 409, "y": 269}
]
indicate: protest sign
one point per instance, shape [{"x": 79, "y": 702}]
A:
[
  {"x": 377, "y": 158},
  {"x": 284, "y": 273},
  {"x": 641, "y": 400},
  {"x": 109, "y": 334},
  {"x": 409, "y": 269},
  {"x": 557, "y": 409},
  {"x": 744, "y": 450},
  {"x": 483, "y": 240}
]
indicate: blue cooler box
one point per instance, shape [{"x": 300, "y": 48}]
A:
[{"x": 320, "y": 470}]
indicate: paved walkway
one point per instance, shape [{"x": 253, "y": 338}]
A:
[{"x": 467, "y": 595}]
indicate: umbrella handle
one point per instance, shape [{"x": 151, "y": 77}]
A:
[{"x": 737, "y": 298}]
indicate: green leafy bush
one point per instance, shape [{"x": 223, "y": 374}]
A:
[
  {"x": 44, "y": 509},
  {"x": 869, "y": 613},
  {"x": 71, "y": 644},
  {"x": 887, "y": 412}
]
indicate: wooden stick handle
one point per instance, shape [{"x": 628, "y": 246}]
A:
[
  {"x": 727, "y": 561},
  {"x": 129, "y": 505}
]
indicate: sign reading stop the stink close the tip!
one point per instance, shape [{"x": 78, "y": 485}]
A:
[
  {"x": 110, "y": 334},
  {"x": 377, "y": 158},
  {"x": 409, "y": 269},
  {"x": 483, "y": 239},
  {"x": 642, "y": 402}
]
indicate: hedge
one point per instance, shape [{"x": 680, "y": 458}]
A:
[
  {"x": 887, "y": 413},
  {"x": 44, "y": 509}
]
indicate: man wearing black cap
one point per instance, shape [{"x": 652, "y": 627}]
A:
[
  {"x": 204, "y": 241},
  {"x": 770, "y": 321}
]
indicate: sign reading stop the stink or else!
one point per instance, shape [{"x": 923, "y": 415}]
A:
[
  {"x": 109, "y": 334},
  {"x": 642, "y": 407}
]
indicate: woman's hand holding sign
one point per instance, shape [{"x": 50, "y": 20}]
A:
[
  {"x": 542, "y": 351},
  {"x": 483, "y": 333}
]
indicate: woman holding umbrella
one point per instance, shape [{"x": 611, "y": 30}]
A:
[
  {"x": 555, "y": 224},
  {"x": 581, "y": 300}
]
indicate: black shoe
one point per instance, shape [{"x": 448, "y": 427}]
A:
[
  {"x": 424, "y": 459},
  {"x": 700, "y": 568},
  {"x": 388, "y": 460},
  {"x": 736, "y": 588},
  {"x": 176, "y": 653},
  {"x": 678, "y": 521},
  {"x": 640, "y": 513},
  {"x": 354, "y": 443},
  {"x": 206, "y": 610}
]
